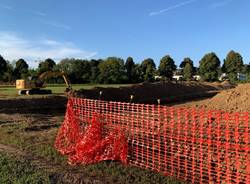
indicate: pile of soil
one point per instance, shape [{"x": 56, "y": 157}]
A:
[
  {"x": 232, "y": 100},
  {"x": 151, "y": 92},
  {"x": 30, "y": 105}
]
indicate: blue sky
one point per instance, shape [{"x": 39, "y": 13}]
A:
[{"x": 37, "y": 29}]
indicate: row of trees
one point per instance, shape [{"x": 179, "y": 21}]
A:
[
  {"x": 233, "y": 64},
  {"x": 116, "y": 70}
]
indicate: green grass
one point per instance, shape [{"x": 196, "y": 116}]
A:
[
  {"x": 41, "y": 144},
  {"x": 20, "y": 172},
  {"x": 6, "y": 91},
  {"x": 127, "y": 174},
  {"x": 11, "y": 91}
]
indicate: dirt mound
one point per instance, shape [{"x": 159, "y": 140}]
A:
[
  {"x": 232, "y": 100},
  {"x": 150, "y": 92},
  {"x": 37, "y": 105}
]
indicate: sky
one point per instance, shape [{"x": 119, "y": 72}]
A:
[{"x": 93, "y": 29}]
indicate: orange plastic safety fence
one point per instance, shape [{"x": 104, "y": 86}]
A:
[
  {"x": 89, "y": 142},
  {"x": 195, "y": 145}
]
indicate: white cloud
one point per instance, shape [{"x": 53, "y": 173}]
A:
[
  {"x": 220, "y": 4},
  {"x": 40, "y": 13},
  {"x": 172, "y": 7},
  {"x": 50, "y": 42},
  {"x": 7, "y": 7},
  {"x": 13, "y": 47},
  {"x": 56, "y": 24}
]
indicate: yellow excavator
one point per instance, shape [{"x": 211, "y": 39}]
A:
[{"x": 33, "y": 86}]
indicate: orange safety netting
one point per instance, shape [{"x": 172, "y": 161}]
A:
[
  {"x": 89, "y": 144},
  {"x": 195, "y": 145}
]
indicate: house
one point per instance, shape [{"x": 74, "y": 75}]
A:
[
  {"x": 241, "y": 76},
  {"x": 178, "y": 77},
  {"x": 157, "y": 77},
  {"x": 222, "y": 77},
  {"x": 197, "y": 77}
]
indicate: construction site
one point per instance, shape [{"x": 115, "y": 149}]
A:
[{"x": 186, "y": 132}]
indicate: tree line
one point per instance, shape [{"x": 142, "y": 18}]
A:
[{"x": 115, "y": 70}]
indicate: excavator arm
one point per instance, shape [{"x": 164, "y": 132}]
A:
[{"x": 49, "y": 74}]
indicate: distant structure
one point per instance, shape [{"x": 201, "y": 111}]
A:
[
  {"x": 178, "y": 77},
  {"x": 223, "y": 77},
  {"x": 157, "y": 77},
  {"x": 197, "y": 77},
  {"x": 241, "y": 76}
]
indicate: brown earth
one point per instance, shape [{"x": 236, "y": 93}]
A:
[
  {"x": 30, "y": 105},
  {"x": 150, "y": 92},
  {"x": 232, "y": 100}
]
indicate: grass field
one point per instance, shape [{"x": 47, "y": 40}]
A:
[
  {"x": 16, "y": 171},
  {"x": 11, "y": 91},
  {"x": 19, "y": 135}
]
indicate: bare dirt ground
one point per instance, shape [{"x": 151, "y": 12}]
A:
[
  {"x": 150, "y": 92},
  {"x": 231, "y": 100}
]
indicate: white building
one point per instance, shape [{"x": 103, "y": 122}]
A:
[
  {"x": 178, "y": 77},
  {"x": 197, "y": 77}
]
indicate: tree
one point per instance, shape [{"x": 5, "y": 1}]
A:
[
  {"x": 112, "y": 71},
  {"x": 185, "y": 61},
  {"x": 138, "y": 73},
  {"x": 65, "y": 65},
  {"x": 86, "y": 71},
  {"x": 167, "y": 67},
  {"x": 233, "y": 64},
  {"x": 209, "y": 67},
  {"x": 130, "y": 69},
  {"x": 187, "y": 67},
  {"x": 3, "y": 66},
  {"x": 78, "y": 70},
  {"x": 46, "y": 65},
  {"x": 196, "y": 70},
  {"x": 246, "y": 69},
  {"x": 149, "y": 74},
  {"x": 8, "y": 75},
  {"x": 21, "y": 69},
  {"x": 148, "y": 70},
  {"x": 188, "y": 71},
  {"x": 32, "y": 72},
  {"x": 94, "y": 70}
]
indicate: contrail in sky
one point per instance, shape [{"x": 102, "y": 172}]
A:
[{"x": 172, "y": 7}]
